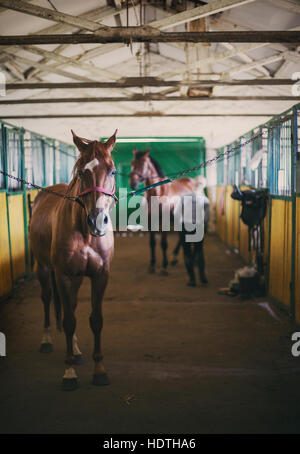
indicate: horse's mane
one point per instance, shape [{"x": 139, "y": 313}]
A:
[{"x": 157, "y": 166}]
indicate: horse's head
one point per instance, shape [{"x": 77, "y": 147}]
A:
[
  {"x": 94, "y": 172},
  {"x": 139, "y": 168}
]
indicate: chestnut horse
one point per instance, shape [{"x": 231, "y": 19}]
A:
[
  {"x": 147, "y": 170},
  {"x": 71, "y": 240}
]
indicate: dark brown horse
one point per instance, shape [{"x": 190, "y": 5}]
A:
[
  {"x": 71, "y": 240},
  {"x": 147, "y": 170}
]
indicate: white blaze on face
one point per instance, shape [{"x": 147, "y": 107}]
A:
[
  {"x": 91, "y": 165},
  {"x": 102, "y": 221}
]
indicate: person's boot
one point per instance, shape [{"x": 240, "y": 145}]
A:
[
  {"x": 174, "y": 260},
  {"x": 191, "y": 283},
  {"x": 203, "y": 278}
]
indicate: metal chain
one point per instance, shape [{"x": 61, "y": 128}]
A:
[
  {"x": 169, "y": 178},
  {"x": 21, "y": 180},
  {"x": 219, "y": 156},
  {"x": 175, "y": 176}
]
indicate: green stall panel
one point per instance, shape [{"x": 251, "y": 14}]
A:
[{"x": 174, "y": 154}]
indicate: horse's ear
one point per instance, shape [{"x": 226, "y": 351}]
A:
[
  {"x": 110, "y": 143},
  {"x": 147, "y": 152},
  {"x": 134, "y": 151},
  {"x": 80, "y": 143}
]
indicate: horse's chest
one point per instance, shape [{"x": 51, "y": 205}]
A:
[{"x": 86, "y": 261}]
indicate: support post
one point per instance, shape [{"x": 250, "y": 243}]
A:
[
  {"x": 4, "y": 141},
  {"x": 294, "y": 201}
]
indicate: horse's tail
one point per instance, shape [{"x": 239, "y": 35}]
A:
[{"x": 57, "y": 303}]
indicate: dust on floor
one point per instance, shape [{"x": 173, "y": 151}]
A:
[{"x": 180, "y": 359}]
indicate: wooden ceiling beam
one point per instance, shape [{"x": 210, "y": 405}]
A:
[
  {"x": 145, "y": 82},
  {"x": 199, "y": 12},
  {"x": 135, "y": 115},
  {"x": 52, "y": 14},
  {"x": 147, "y": 97},
  {"x": 143, "y": 34}
]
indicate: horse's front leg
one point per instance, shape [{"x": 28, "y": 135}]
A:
[
  {"x": 44, "y": 279},
  {"x": 176, "y": 252},
  {"x": 164, "y": 247},
  {"x": 67, "y": 288},
  {"x": 152, "y": 247},
  {"x": 99, "y": 283}
]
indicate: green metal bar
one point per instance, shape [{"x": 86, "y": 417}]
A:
[
  {"x": 4, "y": 141},
  {"x": 294, "y": 207},
  {"x": 44, "y": 162},
  {"x": 269, "y": 244},
  {"x": 54, "y": 161},
  {"x": 271, "y": 174},
  {"x": 14, "y": 192},
  {"x": 281, "y": 197},
  {"x": 24, "y": 204}
]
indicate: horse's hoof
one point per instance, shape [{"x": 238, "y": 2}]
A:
[
  {"x": 204, "y": 280},
  {"x": 79, "y": 359},
  {"x": 191, "y": 284},
  {"x": 163, "y": 272},
  {"x": 151, "y": 269},
  {"x": 69, "y": 384},
  {"x": 46, "y": 348},
  {"x": 101, "y": 380},
  {"x": 174, "y": 262}
]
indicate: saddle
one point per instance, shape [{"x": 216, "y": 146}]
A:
[
  {"x": 254, "y": 205},
  {"x": 254, "y": 210}
]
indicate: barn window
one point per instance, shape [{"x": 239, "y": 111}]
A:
[
  {"x": 14, "y": 158},
  {"x": 65, "y": 159},
  {"x": 280, "y": 152},
  {"x": 220, "y": 168},
  {"x": 49, "y": 162}
]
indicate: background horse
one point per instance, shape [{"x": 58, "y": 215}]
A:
[
  {"x": 146, "y": 169},
  {"x": 71, "y": 240}
]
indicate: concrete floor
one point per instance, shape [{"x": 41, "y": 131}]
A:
[{"x": 180, "y": 359}]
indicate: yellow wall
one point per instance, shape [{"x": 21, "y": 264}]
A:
[
  {"x": 232, "y": 214},
  {"x": 236, "y": 223},
  {"x": 280, "y": 250},
  {"x": 5, "y": 271},
  {"x": 228, "y": 216},
  {"x": 16, "y": 264},
  {"x": 234, "y": 232},
  {"x": 33, "y": 195},
  {"x": 220, "y": 214},
  {"x": 266, "y": 233},
  {"x": 297, "y": 262},
  {"x": 17, "y": 234}
]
